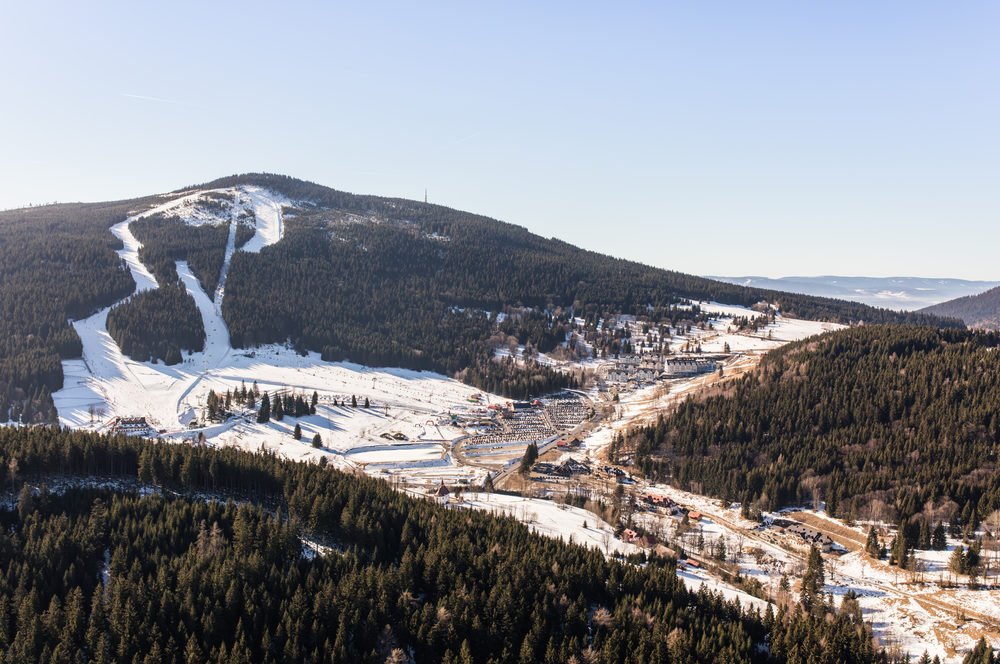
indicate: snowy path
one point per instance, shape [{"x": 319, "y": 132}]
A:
[
  {"x": 107, "y": 382},
  {"x": 104, "y": 379},
  {"x": 220, "y": 290}
]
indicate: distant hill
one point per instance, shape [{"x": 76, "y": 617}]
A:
[
  {"x": 979, "y": 311},
  {"x": 905, "y": 293},
  {"x": 862, "y": 417}
]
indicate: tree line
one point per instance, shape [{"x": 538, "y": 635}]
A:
[
  {"x": 880, "y": 422},
  {"x": 158, "y": 324},
  {"x": 57, "y": 263},
  {"x": 95, "y": 575}
]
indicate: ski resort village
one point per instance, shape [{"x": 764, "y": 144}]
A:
[{"x": 556, "y": 461}]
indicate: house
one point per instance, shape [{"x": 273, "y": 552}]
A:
[
  {"x": 823, "y": 542},
  {"x": 694, "y": 516},
  {"x": 657, "y": 501},
  {"x": 132, "y": 426},
  {"x": 629, "y": 535}
]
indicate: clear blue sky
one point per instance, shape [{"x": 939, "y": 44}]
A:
[{"x": 771, "y": 138}]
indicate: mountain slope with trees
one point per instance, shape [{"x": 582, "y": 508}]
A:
[
  {"x": 166, "y": 240},
  {"x": 880, "y": 422},
  {"x": 57, "y": 263},
  {"x": 396, "y": 282},
  {"x": 158, "y": 324},
  {"x": 377, "y": 280},
  {"x": 979, "y": 311},
  {"x": 94, "y": 575}
]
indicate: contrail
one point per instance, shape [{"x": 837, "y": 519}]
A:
[{"x": 164, "y": 101}]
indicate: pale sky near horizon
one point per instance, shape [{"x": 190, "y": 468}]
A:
[{"x": 778, "y": 138}]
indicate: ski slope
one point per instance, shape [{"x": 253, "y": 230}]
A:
[{"x": 105, "y": 383}]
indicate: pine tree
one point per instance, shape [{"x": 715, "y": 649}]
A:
[
  {"x": 367, "y": 403},
  {"x": 354, "y": 401},
  {"x": 957, "y": 560},
  {"x": 264, "y": 414},
  {"x": 313, "y": 402},
  {"x": 317, "y": 442},
  {"x": 279, "y": 410},
  {"x": 297, "y": 433},
  {"x": 872, "y": 547},
  {"x": 529, "y": 458},
  {"x": 813, "y": 580},
  {"x": 938, "y": 539},
  {"x": 924, "y": 538}
]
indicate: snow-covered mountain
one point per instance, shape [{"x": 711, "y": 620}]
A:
[{"x": 905, "y": 293}]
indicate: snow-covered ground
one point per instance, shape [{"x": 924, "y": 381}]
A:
[
  {"x": 551, "y": 519},
  {"x": 105, "y": 383},
  {"x": 405, "y": 433}
]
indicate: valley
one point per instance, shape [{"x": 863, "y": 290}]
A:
[{"x": 440, "y": 439}]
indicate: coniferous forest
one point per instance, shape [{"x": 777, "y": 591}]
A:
[
  {"x": 402, "y": 283},
  {"x": 166, "y": 240},
  {"x": 409, "y": 286},
  {"x": 879, "y": 422},
  {"x": 158, "y": 324},
  {"x": 57, "y": 263},
  {"x": 211, "y": 568}
]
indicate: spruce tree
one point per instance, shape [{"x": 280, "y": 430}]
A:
[
  {"x": 872, "y": 547},
  {"x": 297, "y": 433},
  {"x": 938, "y": 540},
  {"x": 924, "y": 538},
  {"x": 279, "y": 410},
  {"x": 813, "y": 580},
  {"x": 264, "y": 414}
]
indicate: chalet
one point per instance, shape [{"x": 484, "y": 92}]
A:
[
  {"x": 131, "y": 426},
  {"x": 823, "y": 542},
  {"x": 657, "y": 501},
  {"x": 694, "y": 516},
  {"x": 571, "y": 467},
  {"x": 629, "y": 535}
]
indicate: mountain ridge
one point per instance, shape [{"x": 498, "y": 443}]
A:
[
  {"x": 381, "y": 281},
  {"x": 898, "y": 292},
  {"x": 979, "y": 311}
]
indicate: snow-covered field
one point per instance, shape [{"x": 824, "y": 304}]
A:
[
  {"x": 405, "y": 433},
  {"x": 105, "y": 383},
  {"x": 551, "y": 519}
]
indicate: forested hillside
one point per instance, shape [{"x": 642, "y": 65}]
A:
[
  {"x": 981, "y": 311},
  {"x": 888, "y": 422},
  {"x": 57, "y": 262},
  {"x": 158, "y": 324},
  {"x": 377, "y": 280},
  {"x": 389, "y": 281},
  {"x": 166, "y": 240},
  {"x": 91, "y": 575}
]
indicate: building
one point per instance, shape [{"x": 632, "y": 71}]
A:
[
  {"x": 823, "y": 542},
  {"x": 131, "y": 426},
  {"x": 676, "y": 367}
]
